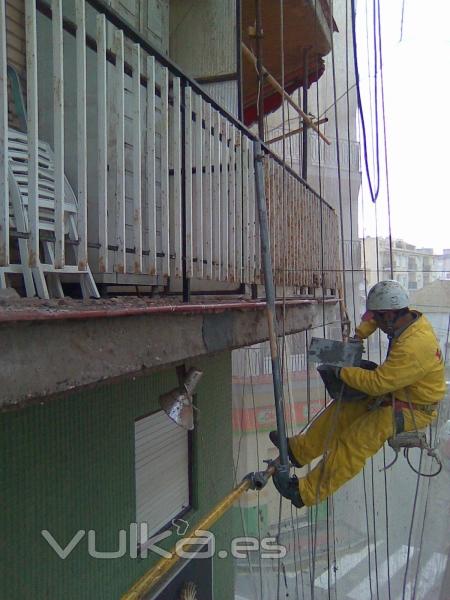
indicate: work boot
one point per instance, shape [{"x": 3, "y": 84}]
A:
[
  {"x": 288, "y": 488},
  {"x": 273, "y": 436}
]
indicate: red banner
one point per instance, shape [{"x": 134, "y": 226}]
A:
[{"x": 264, "y": 418}]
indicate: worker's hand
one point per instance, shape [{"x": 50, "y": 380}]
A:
[{"x": 334, "y": 369}]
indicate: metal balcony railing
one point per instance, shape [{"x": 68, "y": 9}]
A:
[{"x": 163, "y": 177}]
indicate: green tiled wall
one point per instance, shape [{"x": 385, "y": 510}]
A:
[{"x": 69, "y": 465}]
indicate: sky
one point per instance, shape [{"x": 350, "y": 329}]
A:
[{"x": 416, "y": 73}]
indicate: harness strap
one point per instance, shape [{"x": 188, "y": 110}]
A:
[{"x": 400, "y": 404}]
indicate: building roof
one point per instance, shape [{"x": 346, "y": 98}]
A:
[{"x": 434, "y": 297}]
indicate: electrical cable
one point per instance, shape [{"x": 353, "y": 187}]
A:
[
  {"x": 408, "y": 554},
  {"x": 349, "y": 163},
  {"x": 236, "y": 464},
  {"x": 401, "y": 24},
  {"x": 368, "y": 355},
  {"x": 386, "y": 513},
  {"x": 258, "y": 463},
  {"x": 375, "y": 552},
  {"x": 422, "y": 535},
  {"x": 338, "y": 155},
  {"x": 322, "y": 260},
  {"x": 284, "y": 228},
  {"x": 368, "y": 534},
  {"x": 391, "y": 263},
  {"x": 386, "y": 163},
  {"x": 292, "y": 413},
  {"x": 280, "y": 502},
  {"x": 374, "y": 189}
]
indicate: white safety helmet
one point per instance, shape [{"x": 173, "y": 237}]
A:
[{"x": 387, "y": 295}]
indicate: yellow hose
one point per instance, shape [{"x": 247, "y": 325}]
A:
[{"x": 154, "y": 575}]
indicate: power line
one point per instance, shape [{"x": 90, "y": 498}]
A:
[{"x": 374, "y": 189}]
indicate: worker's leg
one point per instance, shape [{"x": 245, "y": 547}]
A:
[
  {"x": 420, "y": 420},
  {"x": 324, "y": 428},
  {"x": 347, "y": 454}
]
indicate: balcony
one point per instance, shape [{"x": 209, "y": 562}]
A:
[{"x": 161, "y": 178}]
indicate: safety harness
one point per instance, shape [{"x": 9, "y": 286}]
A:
[{"x": 401, "y": 438}]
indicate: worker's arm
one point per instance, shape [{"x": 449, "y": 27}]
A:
[{"x": 400, "y": 369}]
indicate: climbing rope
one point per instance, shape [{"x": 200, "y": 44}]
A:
[
  {"x": 258, "y": 463},
  {"x": 236, "y": 465}
]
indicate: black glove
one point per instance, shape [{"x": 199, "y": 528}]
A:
[
  {"x": 334, "y": 369},
  {"x": 288, "y": 488}
]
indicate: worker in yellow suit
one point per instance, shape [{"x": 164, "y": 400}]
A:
[{"x": 346, "y": 434}]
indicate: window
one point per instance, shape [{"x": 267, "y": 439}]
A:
[{"x": 162, "y": 469}]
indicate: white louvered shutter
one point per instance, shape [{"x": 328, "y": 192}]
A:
[{"x": 162, "y": 471}]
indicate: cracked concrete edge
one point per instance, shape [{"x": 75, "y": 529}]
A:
[{"x": 44, "y": 359}]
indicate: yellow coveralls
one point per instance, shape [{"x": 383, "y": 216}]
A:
[{"x": 346, "y": 434}]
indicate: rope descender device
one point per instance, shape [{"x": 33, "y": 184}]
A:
[{"x": 408, "y": 440}]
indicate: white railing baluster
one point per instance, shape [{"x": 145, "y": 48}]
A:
[
  {"x": 102, "y": 148},
  {"x": 245, "y": 211},
  {"x": 286, "y": 232},
  {"x": 121, "y": 261},
  {"x": 32, "y": 127},
  {"x": 231, "y": 207},
  {"x": 292, "y": 200},
  {"x": 81, "y": 135},
  {"x": 198, "y": 184},
  {"x": 295, "y": 239},
  {"x": 165, "y": 247},
  {"x": 137, "y": 177},
  {"x": 251, "y": 213},
  {"x": 150, "y": 174},
  {"x": 238, "y": 206},
  {"x": 207, "y": 197},
  {"x": 177, "y": 206},
  {"x": 257, "y": 233},
  {"x": 216, "y": 197},
  {"x": 273, "y": 215},
  {"x": 4, "y": 188},
  {"x": 58, "y": 129},
  {"x": 224, "y": 202},
  {"x": 188, "y": 178}
]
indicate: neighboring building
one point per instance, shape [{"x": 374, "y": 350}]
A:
[
  {"x": 125, "y": 176},
  {"x": 413, "y": 267},
  {"x": 434, "y": 301}
]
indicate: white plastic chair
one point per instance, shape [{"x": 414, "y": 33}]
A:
[{"x": 44, "y": 276}]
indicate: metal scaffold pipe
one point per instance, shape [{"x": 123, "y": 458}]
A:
[{"x": 270, "y": 307}]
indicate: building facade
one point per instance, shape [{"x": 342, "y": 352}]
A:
[
  {"x": 413, "y": 267},
  {"x": 125, "y": 170}
]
